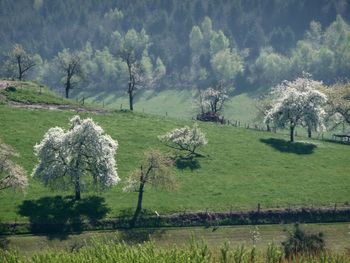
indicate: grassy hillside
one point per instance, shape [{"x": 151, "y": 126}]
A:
[
  {"x": 177, "y": 103},
  {"x": 31, "y": 92},
  {"x": 241, "y": 168}
]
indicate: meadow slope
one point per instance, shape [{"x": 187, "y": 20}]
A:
[
  {"x": 241, "y": 167},
  {"x": 177, "y": 103}
]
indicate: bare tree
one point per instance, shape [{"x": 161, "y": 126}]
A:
[
  {"x": 136, "y": 77},
  {"x": 155, "y": 171},
  {"x": 133, "y": 50},
  {"x": 70, "y": 65},
  {"x": 18, "y": 60}
]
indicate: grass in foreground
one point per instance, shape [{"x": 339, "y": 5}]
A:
[
  {"x": 241, "y": 167},
  {"x": 114, "y": 251},
  {"x": 336, "y": 237}
]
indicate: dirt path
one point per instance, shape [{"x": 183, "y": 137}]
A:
[{"x": 56, "y": 107}]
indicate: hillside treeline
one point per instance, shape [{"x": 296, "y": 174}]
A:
[{"x": 243, "y": 44}]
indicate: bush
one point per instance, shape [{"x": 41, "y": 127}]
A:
[
  {"x": 10, "y": 89},
  {"x": 299, "y": 242}
]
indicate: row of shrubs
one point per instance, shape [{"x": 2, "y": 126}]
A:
[{"x": 184, "y": 219}]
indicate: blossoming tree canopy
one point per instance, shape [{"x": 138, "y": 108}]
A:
[
  {"x": 82, "y": 156},
  {"x": 297, "y": 102},
  {"x": 186, "y": 139},
  {"x": 339, "y": 102},
  {"x": 212, "y": 100},
  {"x": 11, "y": 174}
]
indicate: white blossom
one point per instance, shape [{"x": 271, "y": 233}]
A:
[
  {"x": 212, "y": 100},
  {"x": 298, "y": 102},
  {"x": 186, "y": 138},
  {"x": 11, "y": 174},
  {"x": 67, "y": 157}
]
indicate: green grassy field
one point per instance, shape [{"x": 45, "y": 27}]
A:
[
  {"x": 240, "y": 169},
  {"x": 178, "y": 104},
  {"x": 336, "y": 236},
  {"x": 31, "y": 92}
]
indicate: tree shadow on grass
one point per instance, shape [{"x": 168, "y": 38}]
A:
[
  {"x": 57, "y": 216},
  {"x": 183, "y": 163},
  {"x": 290, "y": 147}
]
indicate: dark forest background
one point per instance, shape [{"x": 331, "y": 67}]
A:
[{"x": 247, "y": 43}]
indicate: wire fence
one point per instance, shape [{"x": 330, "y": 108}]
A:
[{"x": 299, "y": 132}]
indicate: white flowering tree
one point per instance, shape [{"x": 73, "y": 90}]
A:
[
  {"x": 339, "y": 102},
  {"x": 297, "y": 102},
  {"x": 185, "y": 139},
  {"x": 11, "y": 174},
  {"x": 80, "y": 157},
  {"x": 211, "y": 102},
  {"x": 155, "y": 171}
]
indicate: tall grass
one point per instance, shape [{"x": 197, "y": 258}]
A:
[{"x": 196, "y": 252}]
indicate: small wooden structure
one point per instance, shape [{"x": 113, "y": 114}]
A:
[{"x": 342, "y": 137}]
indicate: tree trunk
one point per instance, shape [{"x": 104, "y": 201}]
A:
[
  {"x": 131, "y": 85},
  {"x": 77, "y": 189},
  {"x": 67, "y": 88},
  {"x": 292, "y": 133},
  {"x": 19, "y": 68},
  {"x": 309, "y": 132},
  {"x": 131, "y": 101},
  {"x": 139, "y": 202}
]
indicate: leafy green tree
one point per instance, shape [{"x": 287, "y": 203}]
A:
[
  {"x": 337, "y": 39},
  {"x": 214, "y": 61},
  {"x": 270, "y": 67},
  {"x": 218, "y": 42},
  {"x": 207, "y": 29},
  {"x": 315, "y": 34},
  {"x": 196, "y": 40},
  {"x": 160, "y": 69},
  {"x": 227, "y": 64}
]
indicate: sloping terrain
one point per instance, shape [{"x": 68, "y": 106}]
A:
[
  {"x": 241, "y": 167},
  {"x": 177, "y": 103}
]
